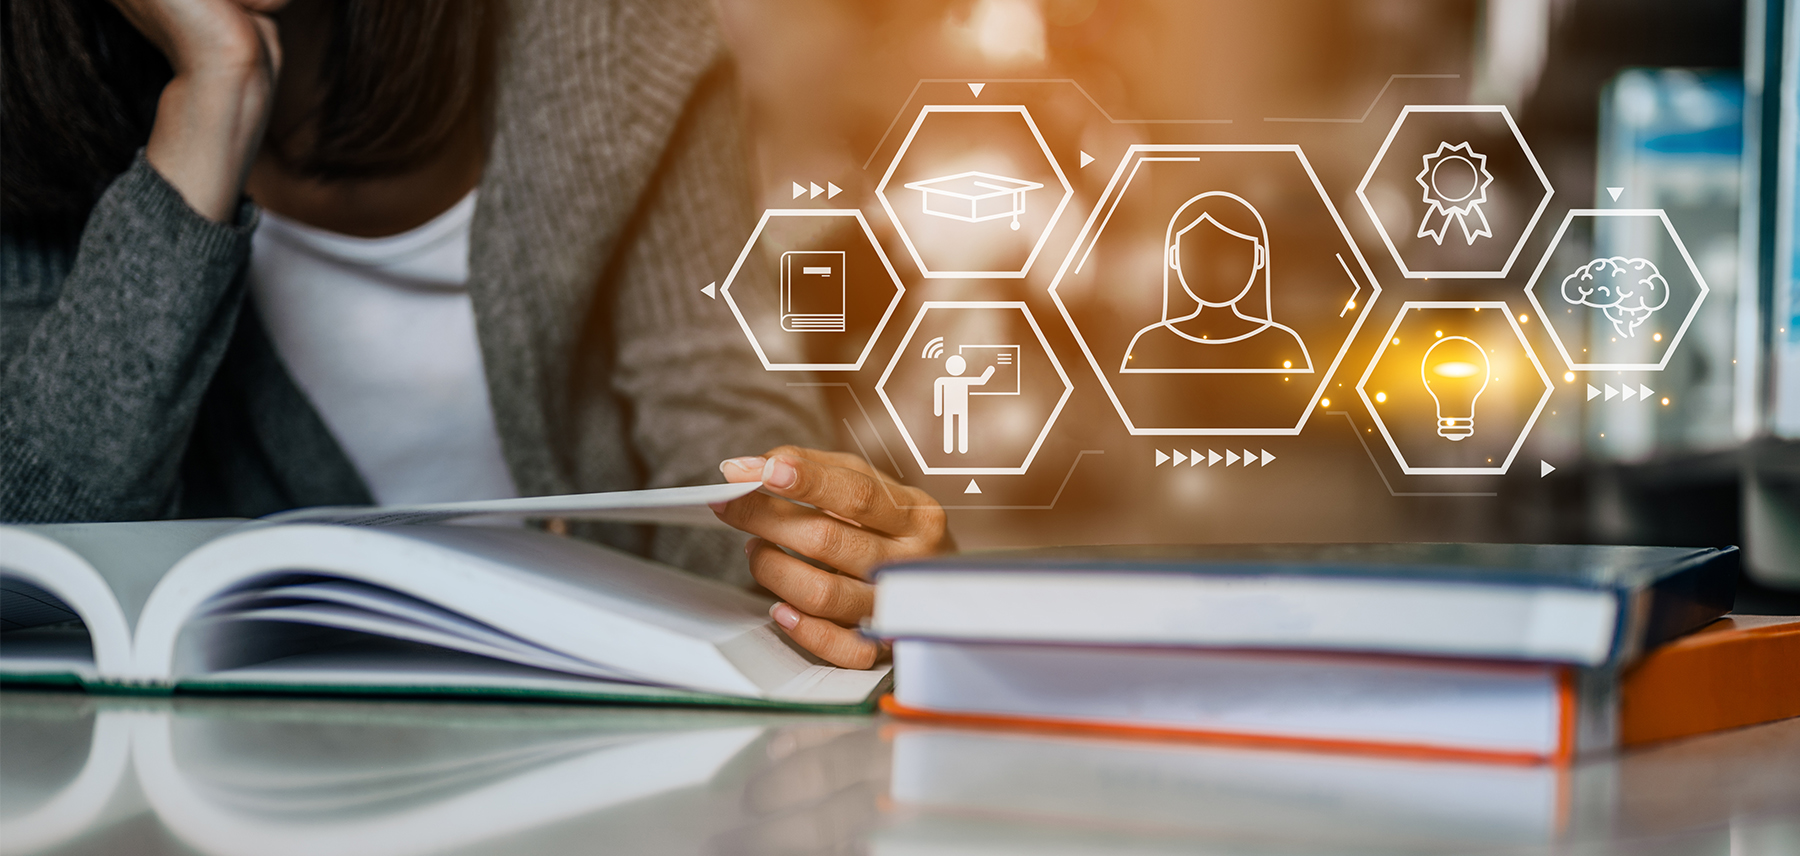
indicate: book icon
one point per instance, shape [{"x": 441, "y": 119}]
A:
[
  {"x": 812, "y": 291},
  {"x": 975, "y": 197}
]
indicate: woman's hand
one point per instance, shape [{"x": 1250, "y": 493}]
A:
[
  {"x": 860, "y": 520},
  {"x": 210, "y": 119}
]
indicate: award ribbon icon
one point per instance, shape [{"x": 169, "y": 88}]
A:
[{"x": 1455, "y": 179}]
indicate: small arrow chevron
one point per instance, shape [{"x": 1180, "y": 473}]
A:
[
  {"x": 1627, "y": 393},
  {"x": 1180, "y": 457},
  {"x": 1230, "y": 457},
  {"x": 1611, "y": 393},
  {"x": 832, "y": 190},
  {"x": 1545, "y": 469},
  {"x": 1614, "y": 192},
  {"x": 976, "y": 88},
  {"x": 1162, "y": 457},
  {"x": 1213, "y": 457},
  {"x": 1592, "y": 392},
  {"x": 711, "y": 290},
  {"x": 1266, "y": 457},
  {"x": 798, "y": 189},
  {"x": 1086, "y": 159},
  {"x": 1645, "y": 392},
  {"x": 814, "y": 190},
  {"x": 972, "y": 488},
  {"x": 1249, "y": 457},
  {"x": 1194, "y": 457}
]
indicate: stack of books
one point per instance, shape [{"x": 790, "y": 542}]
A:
[{"x": 1525, "y": 653}]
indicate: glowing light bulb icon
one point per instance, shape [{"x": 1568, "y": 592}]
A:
[{"x": 1455, "y": 371}]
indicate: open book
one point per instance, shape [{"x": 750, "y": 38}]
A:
[{"x": 387, "y": 600}]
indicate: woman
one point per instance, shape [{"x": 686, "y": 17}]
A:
[
  {"x": 1217, "y": 247},
  {"x": 470, "y": 276}
]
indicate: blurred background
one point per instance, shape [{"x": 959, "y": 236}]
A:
[{"x": 1688, "y": 104}]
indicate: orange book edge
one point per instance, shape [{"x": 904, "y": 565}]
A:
[{"x": 1562, "y": 754}]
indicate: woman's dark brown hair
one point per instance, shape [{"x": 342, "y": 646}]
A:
[{"x": 79, "y": 85}]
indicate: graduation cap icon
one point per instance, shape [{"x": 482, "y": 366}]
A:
[{"x": 975, "y": 197}]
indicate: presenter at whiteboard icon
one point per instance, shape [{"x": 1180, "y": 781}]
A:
[
  {"x": 812, "y": 291},
  {"x": 1217, "y": 314},
  {"x": 950, "y": 393}
]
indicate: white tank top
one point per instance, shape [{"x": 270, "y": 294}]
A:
[{"x": 380, "y": 335}]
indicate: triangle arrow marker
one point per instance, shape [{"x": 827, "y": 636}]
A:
[
  {"x": 832, "y": 190},
  {"x": 1194, "y": 457},
  {"x": 1545, "y": 469},
  {"x": 1161, "y": 457},
  {"x": 1627, "y": 393},
  {"x": 1213, "y": 457},
  {"x": 972, "y": 488},
  {"x": 1180, "y": 457},
  {"x": 814, "y": 190},
  {"x": 1086, "y": 159},
  {"x": 1592, "y": 392},
  {"x": 1611, "y": 393},
  {"x": 1614, "y": 192},
  {"x": 1230, "y": 457},
  {"x": 1645, "y": 392},
  {"x": 798, "y": 190},
  {"x": 976, "y": 88},
  {"x": 711, "y": 290},
  {"x": 1249, "y": 457},
  {"x": 1266, "y": 457}
]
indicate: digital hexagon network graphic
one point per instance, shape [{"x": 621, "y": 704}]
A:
[
  {"x": 1214, "y": 290},
  {"x": 812, "y": 289},
  {"x": 974, "y": 191},
  {"x": 1454, "y": 191},
  {"x": 1454, "y": 387},
  {"x": 1617, "y": 289},
  {"x": 974, "y": 387}
]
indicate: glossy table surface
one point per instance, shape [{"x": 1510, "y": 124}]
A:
[{"x": 120, "y": 774}]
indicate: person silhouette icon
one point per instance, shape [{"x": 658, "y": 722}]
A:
[
  {"x": 1217, "y": 314},
  {"x": 950, "y": 399}
]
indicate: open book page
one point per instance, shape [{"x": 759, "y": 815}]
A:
[
  {"x": 685, "y": 506},
  {"x": 511, "y": 594},
  {"x": 131, "y": 557},
  {"x": 102, "y": 572}
]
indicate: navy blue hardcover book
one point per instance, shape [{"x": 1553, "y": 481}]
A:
[{"x": 1581, "y": 604}]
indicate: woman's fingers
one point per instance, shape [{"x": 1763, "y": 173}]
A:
[
  {"x": 848, "y": 493},
  {"x": 814, "y": 591},
  {"x": 807, "y": 531},
  {"x": 839, "y": 646}
]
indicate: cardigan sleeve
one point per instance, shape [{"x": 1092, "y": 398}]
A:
[
  {"x": 695, "y": 389},
  {"x": 105, "y": 366}
]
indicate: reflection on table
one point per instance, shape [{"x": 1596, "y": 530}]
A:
[{"x": 120, "y": 774}]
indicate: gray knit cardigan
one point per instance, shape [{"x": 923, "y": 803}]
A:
[{"x": 137, "y": 385}]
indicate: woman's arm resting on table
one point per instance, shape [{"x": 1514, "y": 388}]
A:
[{"x": 860, "y": 521}]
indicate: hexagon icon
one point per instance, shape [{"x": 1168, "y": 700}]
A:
[
  {"x": 1454, "y": 387},
  {"x": 1454, "y": 191},
  {"x": 1214, "y": 289},
  {"x": 973, "y": 191},
  {"x": 812, "y": 289},
  {"x": 1617, "y": 289},
  {"x": 974, "y": 388}
]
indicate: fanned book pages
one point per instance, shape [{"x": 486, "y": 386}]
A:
[{"x": 386, "y": 601}]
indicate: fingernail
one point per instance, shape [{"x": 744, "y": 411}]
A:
[
  {"x": 748, "y": 463},
  {"x": 718, "y": 507},
  {"x": 750, "y": 546},
  {"x": 784, "y": 615},
  {"x": 780, "y": 474}
]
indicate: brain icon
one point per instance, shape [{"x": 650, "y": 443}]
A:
[{"x": 1629, "y": 291}]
